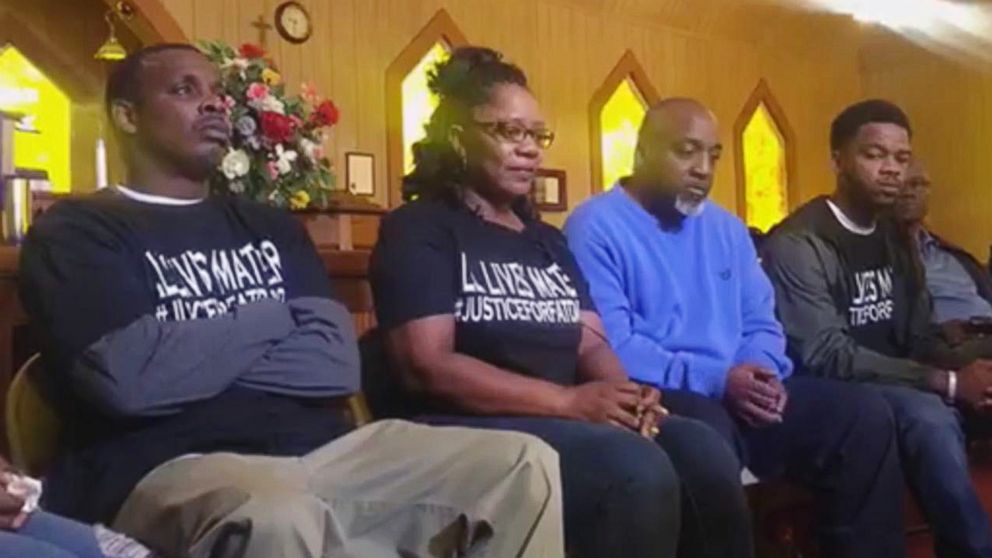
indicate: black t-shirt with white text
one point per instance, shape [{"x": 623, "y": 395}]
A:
[
  {"x": 877, "y": 293},
  {"x": 93, "y": 267},
  {"x": 516, "y": 296}
]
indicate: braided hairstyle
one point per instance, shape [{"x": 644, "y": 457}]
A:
[{"x": 461, "y": 83}]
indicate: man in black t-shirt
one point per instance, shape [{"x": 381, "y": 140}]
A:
[
  {"x": 190, "y": 339},
  {"x": 855, "y": 308}
]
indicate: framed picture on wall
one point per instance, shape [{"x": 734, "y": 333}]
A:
[
  {"x": 360, "y": 173},
  {"x": 550, "y": 191}
]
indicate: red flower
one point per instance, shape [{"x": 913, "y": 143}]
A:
[
  {"x": 326, "y": 114},
  {"x": 276, "y": 127},
  {"x": 249, "y": 50}
]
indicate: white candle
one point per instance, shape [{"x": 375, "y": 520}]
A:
[{"x": 101, "y": 164}]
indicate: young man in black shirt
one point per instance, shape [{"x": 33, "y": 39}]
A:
[
  {"x": 855, "y": 308},
  {"x": 190, "y": 339}
]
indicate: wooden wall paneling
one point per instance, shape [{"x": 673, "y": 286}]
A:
[
  {"x": 341, "y": 83},
  {"x": 231, "y": 21},
  {"x": 566, "y": 47},
  {"x": 209, "y": 20},
  {"x": 153, "y": 22},
  {"x": 245, "y": 31},
  {"x": 950, "y": 109},
  {"x": 182, "y": 12}
]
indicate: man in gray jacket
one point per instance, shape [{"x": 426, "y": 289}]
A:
[
  {"x": 193, "y": 349},
  {"x": 855, "y": 308}
]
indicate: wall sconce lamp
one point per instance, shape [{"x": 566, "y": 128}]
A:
[{"x": 112, "y": 50}]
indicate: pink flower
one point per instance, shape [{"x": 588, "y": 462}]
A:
[
  {"x": 273, "y": 169},
  {"x": 257, "y": 91},
  {"x": 297, "y": 121},
  {"x": 308, "y": 92}
]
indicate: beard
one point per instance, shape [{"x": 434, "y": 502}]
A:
[
  {"x": 689, "y": 207},
  {"x": 864, "y": 193},
  {"x": 672, "y": 209}
]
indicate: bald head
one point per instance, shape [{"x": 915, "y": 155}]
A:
[
  {"x": 913, "y": 203},
  {"x": 671, "y": 117},
  {"x": 677, "y": 150}
]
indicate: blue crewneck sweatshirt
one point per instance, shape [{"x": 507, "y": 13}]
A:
[{"x": 681, "y": 307}]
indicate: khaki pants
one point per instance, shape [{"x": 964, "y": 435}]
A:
[{"x": 389, "y": 489}]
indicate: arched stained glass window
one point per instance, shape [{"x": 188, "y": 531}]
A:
[
  {"x": 409, "y": 102},
  {"x": 620, "y": 119},
  {"x": 418, "y": 101},
  {"x": 616, "y": 112},
  {"x": 764, "y": 143},
  {"x": 766, "y": 177}
]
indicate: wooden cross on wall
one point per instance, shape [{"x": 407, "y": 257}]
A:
[{"x": 263, "y": 28}]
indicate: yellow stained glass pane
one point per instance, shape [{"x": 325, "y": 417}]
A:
[
  {"x": 24, "y": 89},
  {"x": 765, "y": 173},
  {"x": 418, "y": 101},
  {"x": 619, "y": 121}
]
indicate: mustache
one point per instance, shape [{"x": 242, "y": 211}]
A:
[{"x": 212, "y": 121}]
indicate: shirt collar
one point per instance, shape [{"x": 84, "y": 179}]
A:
[
  {"x": 153, "y": 199},
  {"x": 926, "y": 240},
  {"x": 849, "y": 224}
]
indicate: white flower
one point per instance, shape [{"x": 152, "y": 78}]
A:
[
  {"x": 311, "y": 150},
  {"x": 285, "y": 159},
  {"x": 235, "y": 164},
  {"x": 240, "y": 63},
  {"x": 268, "y": 103},
  {"x": 237, "y": 187}
]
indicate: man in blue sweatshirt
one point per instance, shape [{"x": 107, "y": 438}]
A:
[{"x": 688, "y": 309}]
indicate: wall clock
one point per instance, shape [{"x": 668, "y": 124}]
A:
[{"x": 293, "y": 22}]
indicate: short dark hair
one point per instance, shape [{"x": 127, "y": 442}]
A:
[
  {"x": 463, "y": 81},
  {"x": 872, "y": 111},
  {"x": 124, "y": 82}
]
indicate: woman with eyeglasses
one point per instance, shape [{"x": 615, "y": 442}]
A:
[{"x": 487, "y": 322}]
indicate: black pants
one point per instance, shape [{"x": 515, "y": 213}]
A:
[
  {"x": 625, "y": 496},
  {"x": 838, "y": 440}
]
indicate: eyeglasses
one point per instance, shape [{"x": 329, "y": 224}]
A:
[{"x": 516, "y": 133}]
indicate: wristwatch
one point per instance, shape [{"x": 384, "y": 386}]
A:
[{"x": 952, "y": 387}]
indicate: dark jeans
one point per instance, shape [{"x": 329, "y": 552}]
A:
[
  {"x": 625, "y": 496},
  {"x": 838, "y": 440},
  {"x": 932, "y": 447}
]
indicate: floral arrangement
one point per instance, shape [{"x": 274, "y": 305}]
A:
[{"x": 276, "y": 154}]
